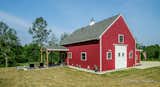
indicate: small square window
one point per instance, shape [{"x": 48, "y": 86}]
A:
[
  {"x": 109, "y": 55},
  {"x": 120, "y": 38},
  {"x": 83, "y": 56},
  {"x": 69, "y": 55},
  {"x": 119, "y": 54},
  {"x": 122, "y": 54},
  {"x": 131, "y": 54}
]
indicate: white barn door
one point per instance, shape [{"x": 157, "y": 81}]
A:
[{"x": 120, "y": 56}]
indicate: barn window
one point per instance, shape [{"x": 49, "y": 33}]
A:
[
  {"x": 83, "y": 56},
  {"x": 109, "y": 55},
  {"x": 122, "y": 54},
  {"x": 69, "y": 55},
  {"x": 120, "y": 38},
  {"x": 131, "y": 54},
  {"x": 119, "y": 54}
]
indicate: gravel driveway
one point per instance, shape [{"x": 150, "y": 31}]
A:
[{"x": 148, "y": 64}]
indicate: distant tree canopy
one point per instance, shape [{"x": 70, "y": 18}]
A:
[
  {"x": 153, "y": 51},
  {"x": 39, "y": 31},
  {"x": 63, "y": 35},
  {"x": 9, "y": 43},
  {"x": 53, "y": 40}
]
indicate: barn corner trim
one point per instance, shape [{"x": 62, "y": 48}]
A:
[{"x": 100, "y": 38}]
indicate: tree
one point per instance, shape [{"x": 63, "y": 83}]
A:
[
  {"x": 63, "y": 35},
  {"x": 53, "y": 41},
  {"x": 152, "y": 51},
  {"x": 8, "y": 42},
  {"x": 39, "y": 32}
]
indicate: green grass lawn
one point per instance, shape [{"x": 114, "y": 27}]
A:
[{"x": 66, "y": 77}]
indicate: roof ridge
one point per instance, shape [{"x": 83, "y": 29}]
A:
[
  {"x": 95, "y": 23},
  {"x": 89, "y": 32}
]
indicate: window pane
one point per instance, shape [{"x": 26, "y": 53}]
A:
[
  {"x": 119, "y": 54},
  {"x": 123, "y": 54},
  {"x": 69, "y": 55},
  {"x": 120, "y": 38},
  {"x": 83, "y": 56},
  {"x": 130, "y": 54},
  {"x": 109, "y": 55}
]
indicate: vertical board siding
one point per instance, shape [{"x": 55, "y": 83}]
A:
[
  {"x": 110, "y": 38},
  {"x": 92, "y": 50}
]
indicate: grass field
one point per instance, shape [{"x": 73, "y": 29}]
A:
[{"x": 66, "y": 77}]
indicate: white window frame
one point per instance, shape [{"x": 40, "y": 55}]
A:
[
  {"x": 107, "y": 55},
  {"x": 70, "y": 57},
  {"x": 130, "y": 57},
  {"x": 85, "y": 56},
  {"x": 119, "y": 35}
]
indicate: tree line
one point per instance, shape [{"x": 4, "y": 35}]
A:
[
  {"x": 152, "y": 51},
  {"x": 12, "y": 52}
]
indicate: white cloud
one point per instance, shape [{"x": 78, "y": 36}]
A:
[{"x": 13, "y": 20}]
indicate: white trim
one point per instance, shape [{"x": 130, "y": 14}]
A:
[
  {"x": 107, "y": 55},
  {"x": 109, "y": 26},
  {"x": 119, "y": 35},
  {"x": 85, "y": 56},
  {"x": 100, "y": 55},
  {"x": 70, "y": 55},
  {"x": 100, "y": 37},
  {"x": 121, "y": 44},
  {"x": 83, "y": 69}
]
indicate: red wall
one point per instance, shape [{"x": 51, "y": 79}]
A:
[
  {"x": 92, "y": 49},
  {"x": 138, "y": 57},
  {"x": 110, "y": 38}
]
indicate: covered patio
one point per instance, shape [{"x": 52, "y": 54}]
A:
[{"x": 47, "y": 55}]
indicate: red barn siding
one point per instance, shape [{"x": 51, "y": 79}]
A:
[
  {"x": 92, "y": 49},
  {"x": 138, "y": 57},
  {"x": 110, "y": 38}
]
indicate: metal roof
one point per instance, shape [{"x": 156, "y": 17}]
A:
[{"x": 88, "y": 33}]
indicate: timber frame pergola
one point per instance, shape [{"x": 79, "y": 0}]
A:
[{"x": 48, "y": 50}]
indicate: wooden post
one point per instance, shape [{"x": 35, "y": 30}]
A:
[
  {"x": 47, "y": 57},
  {"x": 6, "y": 61},
  {"x": 47, "y": 54},
  {"x": 41, "y": 55}
]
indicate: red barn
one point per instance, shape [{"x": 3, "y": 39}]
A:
[
  {"x": 105, "y": 45},
  {"x": 138, "y": 56}
]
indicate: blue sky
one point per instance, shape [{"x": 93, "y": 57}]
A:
[{"x": 142, "y": 16}]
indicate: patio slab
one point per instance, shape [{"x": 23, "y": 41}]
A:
[{"x": 147, "y": 64}]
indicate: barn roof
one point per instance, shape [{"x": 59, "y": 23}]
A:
[{"x": 88, "y": 33}]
